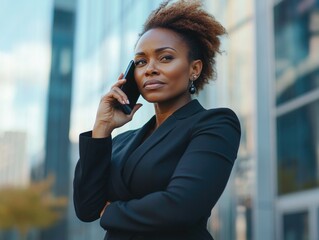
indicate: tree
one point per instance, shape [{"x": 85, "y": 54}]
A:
[{"x": 30, "y": 207}]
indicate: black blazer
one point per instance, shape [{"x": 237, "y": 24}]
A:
[{"x": 164, "y": 187}]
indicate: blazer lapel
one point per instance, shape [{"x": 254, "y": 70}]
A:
[
  {"x": 146, "y": 146},
  {"x": 117, "y": 175},
  {"x": 168, "y": 125},
  {"x": 136, "y": 140}
]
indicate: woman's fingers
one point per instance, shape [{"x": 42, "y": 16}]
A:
[
  {"x": 121, "y": 76},
  {"x": 117, "y": 88},
  {"x": 119, "y": 95},
  {"x": 109, "y": 116},
  {"x": 119, "y": 83}
]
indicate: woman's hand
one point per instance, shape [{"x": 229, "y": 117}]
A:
[
  {"x": 109, "y": 116},
  {"x": 103, "y": 210}
]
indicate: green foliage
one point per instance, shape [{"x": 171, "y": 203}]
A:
[{"x": 30, "y": 207}]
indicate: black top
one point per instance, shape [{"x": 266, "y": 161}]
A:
[{"x": 163, "y": 187}]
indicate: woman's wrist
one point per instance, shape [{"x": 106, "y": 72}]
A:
[{"x": 101, "y": 130}]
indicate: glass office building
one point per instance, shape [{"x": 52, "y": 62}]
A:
[
  {"x": 57, "y": 143},
  {"x": 279, "y": 44},
  {"x": 296, "y": 71}
]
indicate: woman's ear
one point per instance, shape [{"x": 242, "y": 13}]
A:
[{"x": 196, "y": 68}]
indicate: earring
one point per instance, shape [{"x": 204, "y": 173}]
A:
[{"x": 192, "y": 88}]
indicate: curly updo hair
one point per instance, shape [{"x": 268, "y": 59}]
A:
[{"x": 196, "y": 27}]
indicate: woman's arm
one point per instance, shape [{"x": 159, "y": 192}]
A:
[
  {"x": 197, "y": 183},
  {"x": 95, "y": 154},
  {"x": 89, "y": 183}
]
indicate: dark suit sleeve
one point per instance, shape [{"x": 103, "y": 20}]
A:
[
  {"x": 197, "y": 183},
  {"x": 91, "y": 170}
]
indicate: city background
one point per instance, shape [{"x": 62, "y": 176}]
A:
[{"x": 58, "y": 57}]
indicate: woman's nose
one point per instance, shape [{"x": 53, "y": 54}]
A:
[{"x": 151, "y": 69}]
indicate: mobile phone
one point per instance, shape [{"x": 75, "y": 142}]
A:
[{"x": 130, "y": 88}]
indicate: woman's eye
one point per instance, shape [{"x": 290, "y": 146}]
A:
[
  {"x": 140, "y": 62},
  {"x": 167, "y": 58}
]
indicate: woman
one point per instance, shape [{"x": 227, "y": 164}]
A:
[{"x": 162, "y": 180}]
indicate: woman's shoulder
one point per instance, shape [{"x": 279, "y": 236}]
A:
[
  {"x": 218, "y": 129},
  {"x": 217, "y": 117},
  {"x": 217, "y": 114},
  {"x": 222, "y": 111}
]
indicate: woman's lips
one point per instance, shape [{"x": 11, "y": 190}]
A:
[{"x": 153, "y": 84}]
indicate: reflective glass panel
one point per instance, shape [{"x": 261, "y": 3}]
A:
[
  {"x": 298, "y": 149},
  {"x": 296, "y": 25}
]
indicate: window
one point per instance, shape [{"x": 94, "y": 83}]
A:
[
  {"x": 297, "y": 149},
  {"x": 296, "y": 48},
  {"x": 296, "y": 226}
]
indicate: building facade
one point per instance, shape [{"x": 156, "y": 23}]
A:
[
  {"x": 279, "y": 45},
  {"x": 57, "y": 144},
  {"x": 14, "y": 167},
  {"x": 296, "y": 114}
]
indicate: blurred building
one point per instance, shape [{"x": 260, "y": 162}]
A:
[
  {"x": 57, "y": 145},
  {"x": 271, "y": 73},
  {"x": 14, "y": 167},
  {"x": 296, "y": 117}
]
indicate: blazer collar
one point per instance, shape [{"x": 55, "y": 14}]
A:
[{"x": 188, "y": 109}]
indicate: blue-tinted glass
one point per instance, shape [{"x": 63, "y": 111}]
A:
[
  {"x": 297, "y": 149},
  {"x": 296, "y": 48},
  {"x": 296, "y": 226}
]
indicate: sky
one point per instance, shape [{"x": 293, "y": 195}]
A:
[{"x": 24, "y": 68}]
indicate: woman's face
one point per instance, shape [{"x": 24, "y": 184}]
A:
[{"x": 162, "y": 68}]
